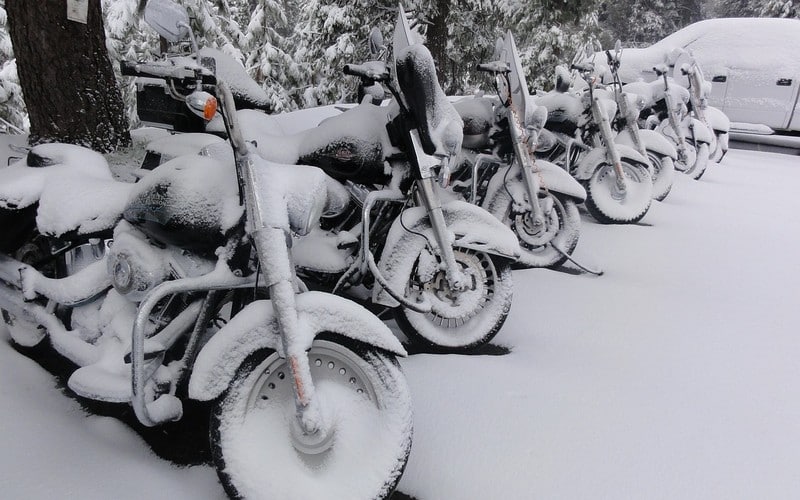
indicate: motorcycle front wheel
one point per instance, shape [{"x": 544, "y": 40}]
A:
[
  {"x": 261, "y": 453},
  {"x": 561, "y": 229},
  {"x": 459, "y": 320},
  {"x": 684, "y": 164},
  {"x": 610, "y": 205},
  {"x": 663, "y": 174},
  {"x": 701, "y": 162}
]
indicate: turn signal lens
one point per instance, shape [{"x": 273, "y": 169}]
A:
[{"x": 210, "y": 109}]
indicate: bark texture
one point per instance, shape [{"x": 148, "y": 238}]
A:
[{"x": 66, "y": 75}]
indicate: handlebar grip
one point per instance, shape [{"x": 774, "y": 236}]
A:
[
  {"x": 494, "y": 67},
  {"x": 582, "y": 67},
  {"x": 163, "y": 72},
  {"x": 374, "y": 71},
  {"x": 349, "y": 70},
  {"x": 128, "y": 68}
]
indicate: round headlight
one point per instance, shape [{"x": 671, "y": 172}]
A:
[{"x": 121, "y": 274}]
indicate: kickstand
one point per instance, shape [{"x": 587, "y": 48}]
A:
[{"x": 582, "y": 267}]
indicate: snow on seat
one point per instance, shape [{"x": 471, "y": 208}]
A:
[{"x": 73, "y": 186}]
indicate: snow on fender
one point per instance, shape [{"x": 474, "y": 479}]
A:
[
  {"x": 474, "y": 228},
  {"x": 598, "y": 156},
  {"x": 256, "y": 327}
]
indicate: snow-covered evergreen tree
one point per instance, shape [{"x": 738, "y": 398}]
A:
[
  {"x": 781, "y": 8},
  {"x": 128, "y": 38},
  {"x": 638, "y": 22},
  {"x": 330, "y": 34},
  {"x": 12, "y": 106},
  {"x": 549, "y": 32},
  {"x": 264, "y": 45}
]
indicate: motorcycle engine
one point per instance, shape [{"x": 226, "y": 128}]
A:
[{"x": 137, "y": 266}]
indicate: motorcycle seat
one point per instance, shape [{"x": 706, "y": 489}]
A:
[{"x": 71, "y": 186}]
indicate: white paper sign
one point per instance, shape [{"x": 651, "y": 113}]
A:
[{"x": 78, "y": 10}]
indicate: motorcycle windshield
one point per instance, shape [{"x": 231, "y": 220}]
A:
[
  {"x": 439, "y": 124},
  {"x": 519, "y": 85}
]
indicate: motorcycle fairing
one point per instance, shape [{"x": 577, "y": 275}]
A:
[
  {"x": 599, "y": 155},
  {"x": 256, "y": 327},
  {"x": 472, "y": 228}
]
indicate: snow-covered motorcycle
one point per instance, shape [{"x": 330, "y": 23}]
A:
[
  {"x": 536, "y": 198},
  {"x": 666, "y": 112},
  {"x": 306, "y": 390},
  {"x": 660, "y": 153},
  {"x": 442, "y": 265},
  {"x": 618, "y": 183},
  {"x": 712, "y": 117}
]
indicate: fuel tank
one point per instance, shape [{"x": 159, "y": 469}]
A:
[{"x": 190, "y": 201}]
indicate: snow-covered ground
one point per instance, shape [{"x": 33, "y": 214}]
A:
[{"x": 674, "y": 375}]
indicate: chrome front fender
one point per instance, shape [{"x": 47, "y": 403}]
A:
[
  {"x": 652, "y": 140},
  {"x": 471, "y": 228},
  {"x": 718, "y": 120},
  {"x": 552, "y": 178},
  {"x": 256, "y": 327},
  {"x": 598, "y": 156}
]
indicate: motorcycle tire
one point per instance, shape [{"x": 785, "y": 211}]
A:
[
  {"x": 663, "y": 173},
  {"x": 691, "y": 157},
  {"x": 701, "y": 163},
  {"x": 459, "y": 321},
  {"x": 562, "y": 229},
  {"x": 255, "y": 440},
  {"x": 608, "y": 205}
]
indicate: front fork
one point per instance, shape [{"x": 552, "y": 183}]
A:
[
  {"x": 525, "y": 163},
  {"x": 272, "y": 249},
  {"x": 433, "y": 205},
  {"x": 608, "y": 139},
  {"x": 673, "y": 122}
]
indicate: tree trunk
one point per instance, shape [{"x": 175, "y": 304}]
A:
[
  {"x": 66, "y": 75},
  {"x": 437, "y": 36}
]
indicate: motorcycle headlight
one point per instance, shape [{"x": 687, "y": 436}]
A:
[{"x": 122, "y": 275}]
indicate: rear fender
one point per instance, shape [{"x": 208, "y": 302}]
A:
[
  {"x": 599, "y": 156},
  {"x": 256, "y": 327},
  {"x": 471, "y": 227}
]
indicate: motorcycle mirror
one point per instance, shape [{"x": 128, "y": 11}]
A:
[
  {"x": 202, "y": 104},
  {"x": 376, "y": 44},
  {"x": 170, "y": 20}
]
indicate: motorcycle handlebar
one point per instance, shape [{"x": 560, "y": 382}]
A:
[
  {"x": 583, "y": 68},
  {"x": 163, "y": 71},
  {"x": 494, "y": 67},
  {"x": 367, "y": 71}
]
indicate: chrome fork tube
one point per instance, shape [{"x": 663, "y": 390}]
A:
[
  {"x": 433, "y": 205},
  {"x": 608, "y": 138}
]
